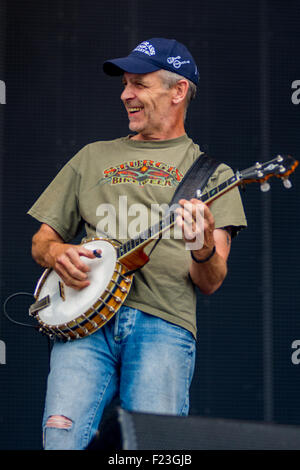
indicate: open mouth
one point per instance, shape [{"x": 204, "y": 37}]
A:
[{"x": 134, "y": 110}]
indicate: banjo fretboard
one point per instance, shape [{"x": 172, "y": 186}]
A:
[{"x": 167, "y": 222}]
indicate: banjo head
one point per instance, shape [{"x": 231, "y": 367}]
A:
[{"x": 73, "y": 314}]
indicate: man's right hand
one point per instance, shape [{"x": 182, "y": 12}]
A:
[{"x": 49, "y": 250}]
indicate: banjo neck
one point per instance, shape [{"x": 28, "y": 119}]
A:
[{"x": 131, "y": 253}]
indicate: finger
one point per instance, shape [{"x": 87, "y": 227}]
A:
[
  {"x": 75, "y": 257},
  {"x": 97, "y": 253},
  {"x": 199, "y": 217},
  {"x": 69, "y": 281},
  {"x": 81, "y": 251},
  {"x": 188, "y": 233},
  {"x": 194, "y": 208},
  {"x": 194, "y": 219},
  {"x": 181, "y": 213},
  {"x": 73, "y": 265},
  {"x": 200, "y": 206},
  {"x": 203, "y": 213},
  {"x": 188, "y": 230},
  {"x": 192, "y": 201},
  {"x": 88, "y": 253},
  {"x": 186, "y": 213}
]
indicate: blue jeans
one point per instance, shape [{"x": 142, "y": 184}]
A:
[{"x": 146, "y": 361}]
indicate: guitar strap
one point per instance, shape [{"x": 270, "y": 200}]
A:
[{"x": 195, "y": 179}]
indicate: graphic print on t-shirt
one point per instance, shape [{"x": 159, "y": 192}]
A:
[{"x": 143, "y": 172}]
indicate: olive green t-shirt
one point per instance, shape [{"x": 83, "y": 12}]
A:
[{"x": 110, "y": 187}]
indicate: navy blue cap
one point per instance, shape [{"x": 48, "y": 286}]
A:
[{"x": 155, "y": 54}]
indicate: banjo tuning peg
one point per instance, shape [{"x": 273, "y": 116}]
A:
[
  {"x": 264, "y": 186},
  {"x": 287, "y": 183}
]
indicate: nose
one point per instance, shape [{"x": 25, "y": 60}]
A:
[{"x": 128, "y": 93}]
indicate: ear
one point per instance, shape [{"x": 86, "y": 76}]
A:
[{"x": 180, "y": 90}]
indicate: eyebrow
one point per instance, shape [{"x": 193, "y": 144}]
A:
[{"x": 138, "y": 78}]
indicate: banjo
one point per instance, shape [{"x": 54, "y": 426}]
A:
[{"x": 68, "y": 314}]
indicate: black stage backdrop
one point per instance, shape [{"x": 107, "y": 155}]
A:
[{"x": 57, "y": 100}]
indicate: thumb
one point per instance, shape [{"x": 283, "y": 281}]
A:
[{"x": 89, "y": 253}]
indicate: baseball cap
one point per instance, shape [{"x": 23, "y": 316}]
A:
[{"x": 155, "y": 54}]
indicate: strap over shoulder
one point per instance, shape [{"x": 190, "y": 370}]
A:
[{"x": 195, "y": 178}]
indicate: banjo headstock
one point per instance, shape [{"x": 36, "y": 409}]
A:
[{"x": 281, "y": 167}]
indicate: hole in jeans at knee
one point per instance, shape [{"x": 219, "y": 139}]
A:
[{"x": 59, "y": 422}]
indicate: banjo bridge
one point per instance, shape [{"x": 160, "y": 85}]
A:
[{"x": 61, "y": 290}]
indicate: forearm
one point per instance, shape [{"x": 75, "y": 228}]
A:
[
  {"x": 49, "y": 250},
  {"x": 45, "y": 247},
  {"x": 209, "y": 276}
]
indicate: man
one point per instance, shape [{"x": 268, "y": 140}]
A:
[{"x": 145, "y": 354}]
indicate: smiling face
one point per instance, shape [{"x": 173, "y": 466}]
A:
[{"x": 152, "y": 108}]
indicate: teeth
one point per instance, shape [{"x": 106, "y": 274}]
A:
[{"x": 133, "y": 110}]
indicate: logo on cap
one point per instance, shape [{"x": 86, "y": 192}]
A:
[
  {"x": 146, "y": 48},
  {"x": 176, "y": 62}
]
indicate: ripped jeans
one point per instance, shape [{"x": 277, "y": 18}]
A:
[{"x": 143, "y": 359}]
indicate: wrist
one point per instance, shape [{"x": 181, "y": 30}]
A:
[
  {"x": 204, "y": 260},
  {"x": 55, "y": 249}
]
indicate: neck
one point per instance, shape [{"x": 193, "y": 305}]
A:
[{"x": 158, "y": 136}]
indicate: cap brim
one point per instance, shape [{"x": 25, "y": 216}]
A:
[{"x": 116, "y": 67}]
